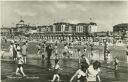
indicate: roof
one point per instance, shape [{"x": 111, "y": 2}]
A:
[
  {"x": 60, "y": 23},
  {"x": 21, "y": 20},
  {"x": 83, "y": 24},
  {"x": 92, "y": 23},
  {"x": 120, "y": 27}
]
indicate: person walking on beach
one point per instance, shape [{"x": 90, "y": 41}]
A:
[{"x": 20, "y": 62}]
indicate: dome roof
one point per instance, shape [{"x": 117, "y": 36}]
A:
[{"x": 21, "y": 20}]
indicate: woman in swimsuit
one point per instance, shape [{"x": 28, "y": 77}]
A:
[{"x": 81, "y": 73}]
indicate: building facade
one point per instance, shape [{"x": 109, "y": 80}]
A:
[
  {"x": 64, "y": 31},
  {"x": 120, "y": 30},
  {"x": 59, "y": 30},
  {"x": 5, "y": 31}
]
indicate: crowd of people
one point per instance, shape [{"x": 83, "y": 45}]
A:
[{"x": 88, "y": 70}]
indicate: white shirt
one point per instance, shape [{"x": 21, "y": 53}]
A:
[{"x": 92, "y": 73}]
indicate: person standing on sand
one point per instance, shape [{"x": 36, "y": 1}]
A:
[
  {"x": 15, "y": 51},
  {"x": 24, "y": 52},
  {"x": 49, "y": 51},
  {"x": 65, "y": 50},
  {"x": 11, "y": 50}
]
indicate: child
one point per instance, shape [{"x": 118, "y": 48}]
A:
[
  {"x": 116, "y": 63},
  {"x": 20, "y": 64},
  {"x": 56, "y": 69},
  {"x": 109, "y": 59}
]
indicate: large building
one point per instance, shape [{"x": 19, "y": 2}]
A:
[
  {"x": 66, "y": 31},
  {"x": 92, "y": 27},
  {"x": 59, "y": 30},
  {"x": 120, "y": 30}
]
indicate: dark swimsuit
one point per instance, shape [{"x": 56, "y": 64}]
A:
[
  {"x": 20, "y": 65},
  {"x": 83, "y": 79},
  {"x": 56, "y": 71},
  {"x": 14, "y": 53}
]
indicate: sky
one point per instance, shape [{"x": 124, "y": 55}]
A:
[{"x": 105, "y": 13}]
